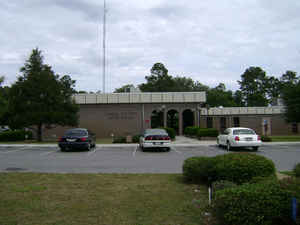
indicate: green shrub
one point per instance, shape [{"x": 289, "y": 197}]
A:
[
  {"x": 119, "y": 140},
  {"x": 191, "y": 131},
  {"x": 266, "y": 138},
  {"x": 17, "y": 135},
  {"x": 222, "y": 184},
  {"x": 242, "y": 167},
  {"x": 136, "y": 138},
  {"x": 171, "y": 132},
  {"x": 199, "y": 169},
  {"x": 207, "y": 132},
  {"x": 251, "y": 204},
  {"x": 296, "y": 170}
]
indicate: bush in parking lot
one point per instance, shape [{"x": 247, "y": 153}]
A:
[
  {"x": 119, "y": 140},
  {"x": 207, "y": 132},
  {"x": 171, "y": 132},
  {"x": 242, "y": 167},
  {"x": 136, "y": 138},
  {"x": 265, "y": 138},
  {"x": 191, "y": 131},
  {"x": 199, "y": 169},
  {"x": 259, "y": 203},
  {"x": 17, "y": 135},
  {"x": 296, "y": 170}
]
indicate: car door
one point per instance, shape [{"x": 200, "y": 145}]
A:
[{"x": 224, "y": 136}]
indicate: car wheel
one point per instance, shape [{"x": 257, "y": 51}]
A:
[
  {"x": 255, "y": 148},
  {"x": 142, "y": 148},
  {"x": 228, "y": 146},
  {"x": 62, "y": 149},
  {"x": 218, "y": 143}
]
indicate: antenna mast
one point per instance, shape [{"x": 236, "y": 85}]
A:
[{"x": 104, "y": 37}]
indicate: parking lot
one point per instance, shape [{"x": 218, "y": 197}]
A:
[{"x": 125, "y": 158}]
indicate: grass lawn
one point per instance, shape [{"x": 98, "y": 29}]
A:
[
  {"x": 110, "y": 199},
  {"x": 285, "y": 138}
]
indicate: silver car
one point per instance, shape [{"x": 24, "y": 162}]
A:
[
  {"x": 155, "y": 139},
  {"x": 239, "y": 137}
]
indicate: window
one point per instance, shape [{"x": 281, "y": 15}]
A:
[
  {"x": 295, "y": 128},
  {"x": 222, "y": 123},
  {"x": 209, "y": 122},
  {"x": 236, "y": 121}
]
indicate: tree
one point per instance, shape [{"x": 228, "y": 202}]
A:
[
  {"x": 218, "y": 96},
  {"x": 39, "y": 99},
  {"x": 124, "y": 88},
  {"x": 158, "y": 81},
  {"x": 291, "y": 99},
  {"x": 253, "y": 87},
  {"x": 3, "y": 102}
]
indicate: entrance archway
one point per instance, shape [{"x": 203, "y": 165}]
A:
[
  {"x": 173, "y": 120},
  {"x": 188, "y": 118},
  {"x": 157, "y": 119}
]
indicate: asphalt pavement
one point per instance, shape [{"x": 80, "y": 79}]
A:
[{"x": 128, "y": 158}]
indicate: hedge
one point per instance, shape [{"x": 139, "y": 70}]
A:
[
  {"x": 236, "y": 167},
  {"x": 17, "y": 135},
  {"x": 248, "y": 204},
  {"x": 191, "y": 131},
  {"x": 296, "y": 170},
  {"x": 207, "y": 132},
  {"x": 242, "y": 167},
  {"x": 198, "y": 169}
]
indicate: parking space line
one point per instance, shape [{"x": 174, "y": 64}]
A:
[
  {"x": 92, "y": 152},
  {"x": 135, "y": 150},
  {"x": 48, "y": 153}
]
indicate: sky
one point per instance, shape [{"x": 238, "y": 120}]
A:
[{"x": 209, "y": 41}]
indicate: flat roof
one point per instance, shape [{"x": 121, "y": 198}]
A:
[
  {"x": 222, "y": 111},
  {"x": 153, "y": 97}
]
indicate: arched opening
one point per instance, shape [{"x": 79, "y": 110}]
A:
[
  {"x": 173, "y": 120},
  {"x": 157, "y": 119},
  {"x": 188, "y": 118}
]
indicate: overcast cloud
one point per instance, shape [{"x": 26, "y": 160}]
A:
[{"x": 210, "y": 41}]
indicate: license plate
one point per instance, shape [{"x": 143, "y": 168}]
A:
[
  {"x": 71, "y": 140},
  {"x": 157, "y": 143},
  {"x": 248, "y": 139}
]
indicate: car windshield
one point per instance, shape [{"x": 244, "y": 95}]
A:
[
  {"x": 155, "y": 131},
  {"x": 76, "y": 133},
  {"x": 243, "y": 131}
]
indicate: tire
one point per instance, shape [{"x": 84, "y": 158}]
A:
[
  {"x": 142, "y": 148},
  {"x": 62, "y": 149},
  {"x": 228, "y": 146},
  {"x": 255, "y": 148},
  {"x": 218, "y": 143}
]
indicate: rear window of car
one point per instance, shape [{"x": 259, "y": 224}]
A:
[
  {"x": 76, "y": 133},
  {"x": 243, "y": 131},
  {"x": 156, "y": 131}
]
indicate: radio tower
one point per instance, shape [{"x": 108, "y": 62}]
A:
[{"x": 104, "y": 37}]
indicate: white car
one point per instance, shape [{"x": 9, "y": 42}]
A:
[
  {"x": 239, "y": 137},
  {"x": 155, "y": 138}
]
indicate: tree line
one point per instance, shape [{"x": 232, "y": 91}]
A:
[
  {"x": 41, "y": 99},
  {"x": 256, "y": 88}
]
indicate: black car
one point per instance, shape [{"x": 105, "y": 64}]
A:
[{"x": 77, "y": 138}]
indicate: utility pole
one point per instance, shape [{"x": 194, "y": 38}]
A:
[{"x": 104, "y": 37}]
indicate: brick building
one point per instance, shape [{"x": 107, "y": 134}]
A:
[{"x": 122, "y": 114}]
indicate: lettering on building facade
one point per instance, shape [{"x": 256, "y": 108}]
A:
[{"x": 121, "y": 115}]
